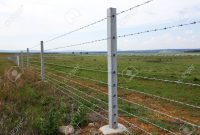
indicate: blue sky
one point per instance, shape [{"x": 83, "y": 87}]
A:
[{"x": 24, "y": 24}]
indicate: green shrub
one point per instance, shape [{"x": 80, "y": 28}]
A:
[
  {"x": 79, "y": 117},
  {"x": 47, "y": 100},
  {"x": 49, "y": 125}
]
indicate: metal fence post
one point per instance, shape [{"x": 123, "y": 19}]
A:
[
  {"x": 27, "y": 58},
  {"x": 42, "y": 61},
  {"x": 112, "y": 67}
]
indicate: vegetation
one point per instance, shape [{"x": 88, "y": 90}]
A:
[
  {"x": 44, "y": 109},
  {"x": 33, "y": 107},
  {"x": 177, "y": 68},
  {"x": 79, "y": 117}
]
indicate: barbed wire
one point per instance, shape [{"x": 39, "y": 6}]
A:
[
  {"x": 79, "y": 44},
  {"x": 139, "y": 5},
  {"x": 73, "y": 54},
  {"x": 91, "y": 24},
  {"x": 96, "y": 22},
  {"x": 127, "y": 35},
  {"x": 159, "y": 29},
  {"x": 162, "y": 113}
]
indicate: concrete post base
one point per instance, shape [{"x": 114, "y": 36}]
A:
[{"x": 106, "y": 130}]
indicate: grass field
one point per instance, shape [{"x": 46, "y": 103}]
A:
[
  {"x": 89, "y": 71},
  {"x": 171, "y": 68},
  {"x": 156, "y": 106}
]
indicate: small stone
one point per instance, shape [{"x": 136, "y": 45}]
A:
[
  {"x": 78, "y": 132},
  {"x": 178, "y": 122},
  {"x": 67, "y": 130},
  {"x": 95, "y": 132},
  {"x": 95, "y": 117},
  {"x": 91, "y": 124}
]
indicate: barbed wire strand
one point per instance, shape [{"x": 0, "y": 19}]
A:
[
  {"x": 126, "y": 35},
  {"x": 79, "y": 44},
  {"x": 74, "y": 54},
  {"x": 139, "y": 5},
  {"x": 159, "y": 29},
  {"x": 96, "y": 22}
]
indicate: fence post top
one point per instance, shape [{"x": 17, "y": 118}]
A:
[
  {"x": 111, "y": 12},
  {"x": 112, "y": 8}
]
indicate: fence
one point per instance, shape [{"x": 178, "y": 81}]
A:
[{"x": 65, "y": 80}]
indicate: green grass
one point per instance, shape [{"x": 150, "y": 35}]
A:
[
  {"x": 4, "y": 64},
  {"x": 168, "y": 67}
]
